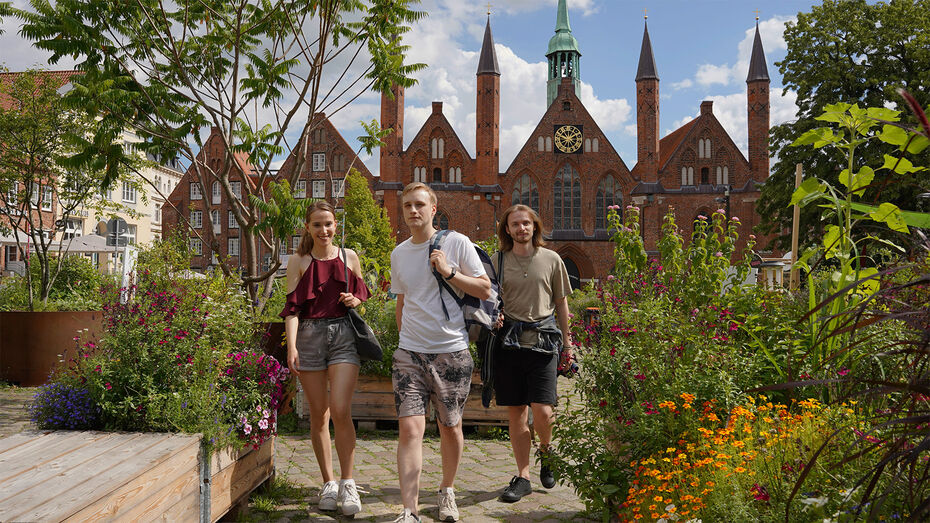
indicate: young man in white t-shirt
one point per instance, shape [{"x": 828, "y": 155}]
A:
[{"x": 432, "y": 362}]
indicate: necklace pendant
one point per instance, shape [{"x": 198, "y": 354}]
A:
[{"x": 524, "y": 275}]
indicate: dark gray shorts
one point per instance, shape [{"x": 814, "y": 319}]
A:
[
  {"x": 325, "y": 342},
  {"x": 443, "y": 378}
]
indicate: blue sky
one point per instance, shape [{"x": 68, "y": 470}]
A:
[{"x": 701, "y": 50}]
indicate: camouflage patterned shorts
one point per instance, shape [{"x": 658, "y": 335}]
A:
[{"x": 444, "y": 379}]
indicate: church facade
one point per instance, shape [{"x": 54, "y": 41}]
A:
[{"x": 568, "y": 171}]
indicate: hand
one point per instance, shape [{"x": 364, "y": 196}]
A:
[
  {"x": 567, "y": 354},
  {"x": 500, "y": 320},
  {"x": 437, "y": 260},
  {"x": 293, "y": 361},
  {"x": 349, "y": 300}
]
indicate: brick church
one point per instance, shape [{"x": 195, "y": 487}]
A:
[{"x": 568, "y": 171}]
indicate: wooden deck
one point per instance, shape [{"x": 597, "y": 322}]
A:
[{"x": 94, "y": 476}]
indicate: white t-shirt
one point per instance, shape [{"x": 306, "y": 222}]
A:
[{"x": 423, "y": 326}]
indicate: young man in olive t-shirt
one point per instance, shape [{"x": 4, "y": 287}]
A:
[{"x": 534, "y": 285}]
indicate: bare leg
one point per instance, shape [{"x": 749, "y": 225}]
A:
[
  {"x": 543, "y": 417},
  {"x": 520, "y": 439},
  {"x": 410, "y": 459},
  {"x": 314, "y": 385},
  {"x": 342, "y": 379},
  {"x": 451, "y": 444}
]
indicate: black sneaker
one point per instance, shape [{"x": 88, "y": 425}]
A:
[
  {"x": 545, "y": 473},
  {"x": 518, "y": 488}
]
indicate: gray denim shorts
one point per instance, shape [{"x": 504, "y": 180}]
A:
[
  {"x": 443, "y": 378},
  {"x": 325, "y": 342}
]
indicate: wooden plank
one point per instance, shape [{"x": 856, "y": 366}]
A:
[
  {"x": 186, "y": 509},
  {"x": 233, "y": 483},
  {"x": 151, "y": 491},
  {"x": 40, "y": 450},
  {"x": 41, "y": 484},
  {"x": 80, "y": 485}
]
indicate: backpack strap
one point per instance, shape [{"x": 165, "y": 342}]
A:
[{"x": 436, "y": 243}]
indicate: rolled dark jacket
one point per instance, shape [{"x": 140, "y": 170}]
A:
[{"x": 550, "y": 337}]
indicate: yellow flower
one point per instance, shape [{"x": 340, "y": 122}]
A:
[{"x": 739, "y": 470}]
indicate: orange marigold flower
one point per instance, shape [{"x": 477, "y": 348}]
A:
[
  {"x": 652, "y": 507},
  {"x": 657, "y": 499},
  {"x": 739, "y": 470}
]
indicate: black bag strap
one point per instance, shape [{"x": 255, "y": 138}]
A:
[{"x": 436, "y": 243}]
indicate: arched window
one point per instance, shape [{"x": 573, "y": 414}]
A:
[
  {"x": 587, "y": 145},
  {"x": 567, "y": 198},
  {"x": 458, "y": 175},
  {"x": 433, "y": 148},
  {"x": 419, "y": 174},
  {"x": 700, "y": 147},
  {"x": 726, "y": 175},
  {"x": 440, "y": 220},
  {"x": 594, "y": 145},
  {"x": 705, "y": 175},
  {"x": 690, "y": 175},
  {"x": 608, "y": 193},
  {"x": 541, "y": 144},
  {"x": 574, "y": 275},
  {"x": 684, "y": 176},
  {"x": 525, "y": 192},
  {"x": 442, "y": 148},
  {"x": 707, "y": 153},
  {"x": 437, "y": 175},
  {"x": 548, "y": 144}
]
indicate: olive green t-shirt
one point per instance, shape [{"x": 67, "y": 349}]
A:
[{"x": 533, "y": 297}]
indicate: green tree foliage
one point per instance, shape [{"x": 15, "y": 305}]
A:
[
  {"x": 255, "y": 70},
  {"x": 43, "y": 174},
  {"x": 367, "y": 228},
  {"x": 847, "y": 51}
]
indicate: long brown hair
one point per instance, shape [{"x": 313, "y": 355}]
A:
[
  {"x": 306, "y": 241},
  {"x": 506, "y": 241}
]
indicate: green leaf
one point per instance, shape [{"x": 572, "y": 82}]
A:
[
  {"x": 831, "y": 241},
  {"x": 893, "y": 134},
  {"x": 918, "y": 144},
  {"x": 890, "y": 214},
  {"x": 883, "y": 113},
  {"x": 886, "y": 242},
  {"x": 900, "y": 165},
  {"x": 817, "y": 137},
  {"x": 911, "y": 218},
  {"x": 870, "y": 287},
  {"x": 862, "y": 180},
  {"x": 808, "y": 186}
]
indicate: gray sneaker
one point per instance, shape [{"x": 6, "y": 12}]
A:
[
  {"x": 407, "y": 517},
  {"x": 328, "y": 495},
  {"x": 448, "y": 511}
]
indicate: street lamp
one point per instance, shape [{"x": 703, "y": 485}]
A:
[{"x": 490, "y": 198}]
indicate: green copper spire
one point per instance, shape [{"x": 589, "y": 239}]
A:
[{"x": 564, "y": 56}]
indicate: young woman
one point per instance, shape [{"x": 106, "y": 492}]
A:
[{"x": 321, "y": 347}]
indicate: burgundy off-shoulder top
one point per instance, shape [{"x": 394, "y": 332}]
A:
[{"x": 317, "y": 293}]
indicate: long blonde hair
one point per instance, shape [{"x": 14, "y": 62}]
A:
[
  {"x": 506, "y": 241},
  {"x": 306, "y": 241}
]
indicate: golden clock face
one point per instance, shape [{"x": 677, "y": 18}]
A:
[{"x": 568, "y": 139}]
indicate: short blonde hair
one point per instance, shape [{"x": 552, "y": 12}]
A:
[{"x": 413, "y": 186}]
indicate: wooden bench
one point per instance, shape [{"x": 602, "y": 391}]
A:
[{"x": 92, "y": 476}]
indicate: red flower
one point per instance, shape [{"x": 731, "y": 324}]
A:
[{"x": 108, "y": 386}]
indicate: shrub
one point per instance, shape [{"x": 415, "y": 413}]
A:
[
  {"x": 253, "y": 387},
  {"x": 64, "y": 406}
]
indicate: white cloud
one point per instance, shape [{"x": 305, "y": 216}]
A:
[
  {"x": 630, "y": 129},
  {"x": 684, "y": 84},
  {"x": 610, "y": 115},
  {"x": 587, "y": 7},
  {"x": 772, "y": 33}
]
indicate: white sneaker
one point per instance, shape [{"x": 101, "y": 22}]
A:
[
  {"x": 348, "y": 496},
  {"x": 407, "y": 517},
  {"x": 448, "y": 511},
  {"x": 328, "y": 495}
]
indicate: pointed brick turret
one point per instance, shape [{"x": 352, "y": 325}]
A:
[
  {"x": 647, "y": 113},
  {"x": 757, "y": 97},
  {"x": 488, "y": 113}
]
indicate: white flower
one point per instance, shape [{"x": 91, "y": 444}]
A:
[{"x": 814, "y": 502}]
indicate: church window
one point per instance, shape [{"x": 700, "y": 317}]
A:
[
  {"x": 437, "y": 175},
  {"x": 684, "y": 176},
  {"x": 700, "y": 148},
  {"x": 566, "y": 106},
  {"x": 726, "y": 175},
  {"x": 705, "y": 175},
  {"x": 525, "y": 192},
  {"x": 419, "y": 174},
  {"x": 442, "y": 148},
  {"x": 541, "y": 144},
  {"x": 707, "y": 148},
  {"x": 548, "y": 144},
  {"x": 587, "y": 145},
  {"x": 608, "y": 193},
  {"x": 434, "y": 148},
  {"x": 690, "y": 175},
  {"x": 567, "y": 198},
  {"x": 455, "y": 175},
  {"x": 440, "y": 220},
  {"x": 719, "y": 176},
  {"x": 594, "y": 145}
]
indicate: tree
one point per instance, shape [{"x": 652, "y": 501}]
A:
[
  {"x": 847, "y": 51},
  {"x": 40, "y": 176},
  {"x": 256, "y": 70},
  {"x": 367, "y": 227}
]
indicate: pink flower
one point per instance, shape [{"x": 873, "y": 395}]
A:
[
  {"x": 108, "y": 386},
  {"x": 611, "y": 277},
  {"x": 721, "y": 211},
  {"x": 735, "y": 219},
  {"x": 752, "y": 236},
  {"x": 263, "y": 424},
  {"x": 701, "y": 217},
  {"x": 718, "y": 254},
  {"x": 640, "y": 377},
  {"x": 603, "y": 403},
  {"x": 844, "y": 371},
  {"x": 247, "y": 429}
]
